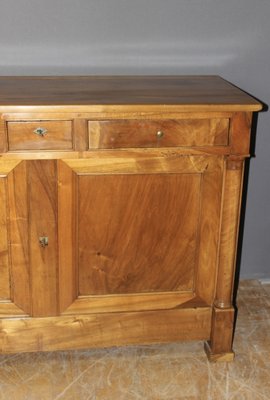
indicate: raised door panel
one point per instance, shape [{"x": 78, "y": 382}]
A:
[{"x": 136, "y": 232}]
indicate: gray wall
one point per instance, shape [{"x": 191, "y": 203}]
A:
[{"x": 230, "y": 38}]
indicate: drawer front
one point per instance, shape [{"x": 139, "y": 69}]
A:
[
  {"x": 39, "y": 135},
  {"x": 158, "y": 133}
]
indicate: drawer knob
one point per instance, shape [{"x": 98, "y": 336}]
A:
[
  {"x": 43, "y": 241},
  {"x": 40, "y": 131},
  {"x": 160, "y": 134}
]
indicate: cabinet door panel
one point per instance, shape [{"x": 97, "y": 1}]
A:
[
  {"x": 139, "y": 233},
  {"x": 129, "y": 227},
  {"x": 4, "y": 259},
  {"x": 28, "y": 211}
]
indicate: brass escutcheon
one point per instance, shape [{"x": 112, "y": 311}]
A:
[
  {"x": 43, "y": 241},
  {"x": 40, "y": 131}
]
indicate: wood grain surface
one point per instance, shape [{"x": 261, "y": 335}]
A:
[
  {"x": 103, "y": 330},
  {"x": 194, "y": 92},
  {"x": 144, "y": 133},
  {"x": 137, "y": 223},
  {"x": 42, "y": 178},
  {"x": 20, "y": 270},
  {"x": 22, "y": 136}
]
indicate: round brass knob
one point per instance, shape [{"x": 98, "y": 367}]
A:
[{"x": 160, "y": 134}]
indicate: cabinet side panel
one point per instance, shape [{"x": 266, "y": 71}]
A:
[
  {"x": 4, "y": 261},
  {"x": 42, "y": 182},
  {"x": 19, "y": 228}
]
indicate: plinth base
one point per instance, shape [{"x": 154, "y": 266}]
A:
[{"x": 222, "y": 357}]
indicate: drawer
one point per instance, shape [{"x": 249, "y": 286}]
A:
[
  {"x": 158, "y": 133},
  {"x": 39, "y": 135}
]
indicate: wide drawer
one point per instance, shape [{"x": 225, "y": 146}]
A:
[
  {"x": 158, "y": 133},
  {"x": 39, "y": 135}
]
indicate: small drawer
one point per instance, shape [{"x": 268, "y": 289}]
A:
[
  {"x": 158, "y": 133},
  {"x": 39, "y": 135}
]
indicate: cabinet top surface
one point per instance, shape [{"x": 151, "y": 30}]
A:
[{"x": 193, "y": 93}]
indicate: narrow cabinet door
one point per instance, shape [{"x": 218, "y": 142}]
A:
[
  {"x": 134, "y": 232},
  {"x": 28, "y": 244}
]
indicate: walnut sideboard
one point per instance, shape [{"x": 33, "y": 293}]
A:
[{"x": 119, "y": 210}]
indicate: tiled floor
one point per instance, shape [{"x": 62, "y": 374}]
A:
[{"x": 159, "y": 372}]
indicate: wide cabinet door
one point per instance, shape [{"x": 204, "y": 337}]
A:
[
  {"x": 138, "y": 233},
  {"x": 108, "y": 234}
]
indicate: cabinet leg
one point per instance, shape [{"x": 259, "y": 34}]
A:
[{"x": 219, "y": 348}]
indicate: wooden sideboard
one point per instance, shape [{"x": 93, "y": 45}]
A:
[{"x": 119, "y": 210}]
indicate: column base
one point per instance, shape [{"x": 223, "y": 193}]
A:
[{"x": 218, "y": 357}]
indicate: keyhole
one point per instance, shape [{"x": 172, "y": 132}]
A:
[{"x": 44, "y": 241}]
